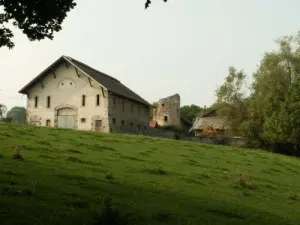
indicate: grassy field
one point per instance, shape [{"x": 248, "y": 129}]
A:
[{"x": 66, "y": 176}]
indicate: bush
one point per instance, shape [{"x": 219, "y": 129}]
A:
[{"x": 6, "y": 120}]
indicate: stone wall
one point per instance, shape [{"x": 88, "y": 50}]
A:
[
  {"x": 127, "y": 114},
  {"x": 167, "y": 112},
  {"x": 157, "y": 132},
  {"x": 154, "y": 132},
  {"x": 233, "y": 141}
]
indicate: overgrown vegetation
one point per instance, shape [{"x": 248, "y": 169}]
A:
[
  {"x": 269, "y": 115},
  {"x": 67, "y": 175}
]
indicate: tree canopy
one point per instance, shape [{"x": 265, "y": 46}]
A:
[
  {"x": 148, "y": 2},
  {"x": 37, "y": 19},
  {"x": 190, "y": 112},
  {"x": 270, "y": 115}
]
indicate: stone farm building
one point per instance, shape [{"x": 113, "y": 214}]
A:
[{"x": 71, "y": 94}]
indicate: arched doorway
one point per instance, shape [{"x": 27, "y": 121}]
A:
[{"x": 66, "y": 118}]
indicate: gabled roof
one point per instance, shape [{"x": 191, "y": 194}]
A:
[
  {"x": 214, "y": 122},
  {"x": 110, "y": 83}
]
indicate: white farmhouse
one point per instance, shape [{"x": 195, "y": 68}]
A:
[{"x": 71, "y": 94}]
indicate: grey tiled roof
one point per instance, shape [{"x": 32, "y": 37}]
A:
[{"x": 110, "y": 83}]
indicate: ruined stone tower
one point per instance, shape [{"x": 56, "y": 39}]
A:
[{"x": 167, "y": 112}]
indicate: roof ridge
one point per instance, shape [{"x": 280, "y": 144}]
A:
[{"x": 110, "y": 77}]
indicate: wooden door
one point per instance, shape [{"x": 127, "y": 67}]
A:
[
  {"x": 65, "y": 118},
  {"x": 98, "y": 125}
]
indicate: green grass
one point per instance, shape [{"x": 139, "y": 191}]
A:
[{"x": 66, "y": 176}]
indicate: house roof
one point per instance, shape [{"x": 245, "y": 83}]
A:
[
  {"x": 214, "y": 122},
  {"x": 110, "y": 83}
]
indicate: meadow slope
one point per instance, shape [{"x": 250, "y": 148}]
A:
[{"x": 66, "y": 175}]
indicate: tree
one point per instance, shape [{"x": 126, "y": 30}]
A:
[
  {"x": 17, "y": 114},
  {"x": 37, "y": 19},
  {"x": 3, "y": 110},
  {"x": 272, "y": 107},
  {"x": 231, "y": 99},
  {"x": 148, "y": 2},
  {"x": 190, "y": 112}
]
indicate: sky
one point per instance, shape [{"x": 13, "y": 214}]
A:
[{"x": 182, "y": 46}]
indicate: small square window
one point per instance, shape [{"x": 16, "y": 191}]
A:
[
  {"x": 114, "y": 121},
  {"x": 166, "y": 118},
  {"x": 163, "y": 105},
  {"x": 82, "y": 120},
  {"x": 122, "y": 123}
]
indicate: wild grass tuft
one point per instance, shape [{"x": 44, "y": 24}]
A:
[{"x": 18, "y": 153}]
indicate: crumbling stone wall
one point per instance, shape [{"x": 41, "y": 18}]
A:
[{"x": 167, "y": 112}]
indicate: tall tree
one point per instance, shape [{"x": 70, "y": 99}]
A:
[
  {"x": 231, "y": 99},
  {"x": 273, "y": 92},
  {"x": 37, "y": 19}
]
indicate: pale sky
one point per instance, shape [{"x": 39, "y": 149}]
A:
[{"x": 183, "y": 46}]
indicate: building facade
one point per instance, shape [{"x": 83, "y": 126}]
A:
[{"x": 70, "y": 94}]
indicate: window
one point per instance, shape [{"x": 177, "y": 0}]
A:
[
  {"x": 36, "y": 99},
  {"x": 138, "y": 127},
  {"x": 123, "y": 105},
  {"x": 98, "y": 100},
  {"x": 48, "y": 101},
  {"x": 163, "y": 105},
  {"x": 82, "y": 120},
  {"x": 131, "y": 109},
  {"x": 114, "y": 102},
  {"x": 114, "y": 121},
  {"x": 122, "y": 123},
  {"x": 166, "y": 118},
  {"x": 145, "y": 127},
  {"x": 83, "y": 100},
  {"x": 131, "y": 125},
  {"x": 71, "y": 83},
  {"x": 48, "y": 123}
]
